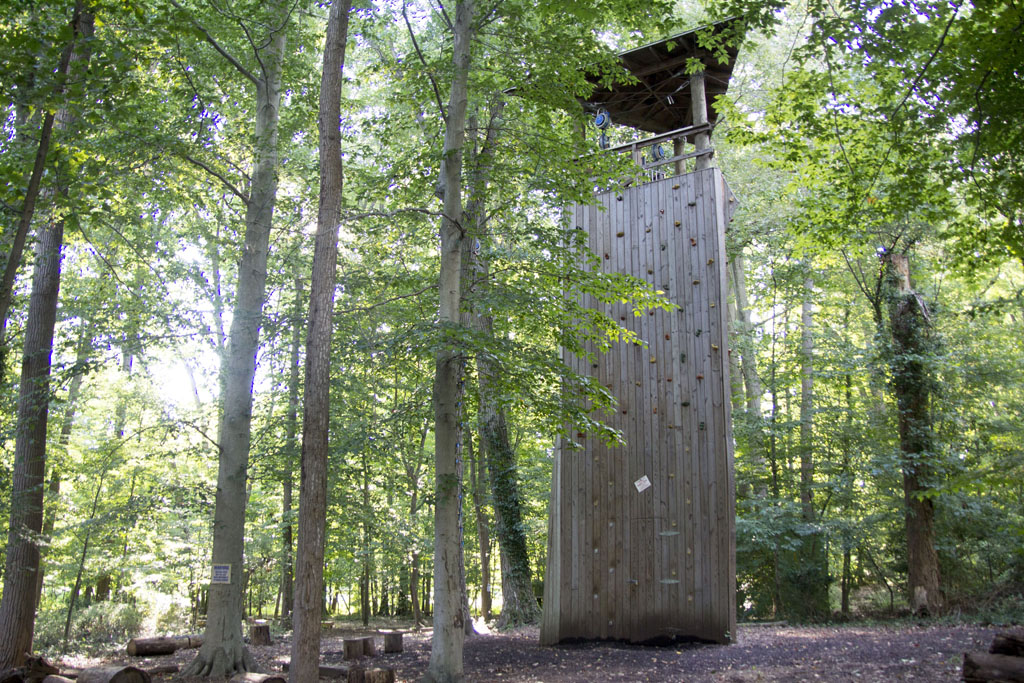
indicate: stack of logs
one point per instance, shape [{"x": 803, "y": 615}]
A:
[{"x": 1004, "y": 660}]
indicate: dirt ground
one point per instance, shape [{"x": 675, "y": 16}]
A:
[{"x": 920, "y": 652}]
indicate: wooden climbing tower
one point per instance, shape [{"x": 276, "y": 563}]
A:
[{"x": 641, "y": 541}]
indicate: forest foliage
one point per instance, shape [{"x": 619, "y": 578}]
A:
[{"x": 854, "y": 133}]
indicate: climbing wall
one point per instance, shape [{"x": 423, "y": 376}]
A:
[{"x": 641, "y": 543}]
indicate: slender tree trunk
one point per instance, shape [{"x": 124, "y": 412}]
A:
[
  {"x": 812, "y": 567},
  {"x": 223, "y": 651},
  {"x": 483, "y": 534},
  {"x": 17, "y": 605},
  {"x": 291, "y": 453},
  {"x": 81, "y": 24},
  {"x": 911, "y": 383},
  {"x": 364, "y": 579},
  {"x": 82, "y": 353},
  {"x": 449, "y": 621},
  {"x": 316, "y": 406}
]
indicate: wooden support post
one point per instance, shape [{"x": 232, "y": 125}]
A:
[
  {"x": 699, "y": 112},
  {"x": 678, "y": 148}
]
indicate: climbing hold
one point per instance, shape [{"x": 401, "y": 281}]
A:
[
  {"x": 675, "y": 187},
  {"x": 653, "y": 359},
  {"x": 668, "y": 336},
  {"x": 702, "y": 426},
  {"x": 710, "y": 260},
  {"x": 620, "y": 233},
  {"x": 650, "y": 271},
  {"x": 685, "y": 404},
  {"x": 580, "y": 435},
  {"x": 712, "y": 304},
  {"x": 693, "y": 242},
  {"x": 622, "y": 317},
  {"x": 619, "y": 198},
  {"x": 663, "y": 245},
  {"x": 606, "y": 256},
  {"x": 678, "y": 224},
  {"x": 623, "y": 411},
  {"x": 655, "y": 410},
  {"x": 682, "y": 358},
  {"x": 698, "y": 332},
  {"x": 638, "y": 384},
  {"x": 661, "y": 211},
  {"x": 668, "y": 379},
  {"x": 692, "y": 202},
  {"x": 696, "y": 282},
  {"x": 714, "y": 347},
  {"x": 700, "y": 376}
]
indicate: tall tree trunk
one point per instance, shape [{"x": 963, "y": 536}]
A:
[
  {"x": 449, "y": 621},
  {"x": 81, "y": 24},
  {"x": 812, "y": 569},
  {"x": 364, "y": 578},
  {"x": 291, "y": 453},
  {"x": 83, "y": 349},
  {"x": 476, "y": 482},
  {"x": 519, "y": 604},
  {"x": 223, "y": 651},
  {"x": 316, "y": 413},
  {"x": 911, "y": 384},
  {"x": 17, "y": 605}
]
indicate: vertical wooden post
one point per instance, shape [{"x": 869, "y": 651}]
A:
[
  {"x": 699, "y": 113},
  {"x": 678, "y": 147}
]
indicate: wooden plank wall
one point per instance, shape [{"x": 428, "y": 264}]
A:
[{"x": 636, "y": 565}]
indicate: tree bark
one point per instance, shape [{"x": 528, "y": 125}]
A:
[
  {"x": 81, "y": 23},
  {"x": 309, "y": 584},
  {"x": 17, "y": 605},
  {"x": 911, "y": 385},
  {"x": 476, "y": 477},
  {"x": 223, "y": 652},
  {"x": 446, "y": 647},
  {"x": 812, "y": 567}
]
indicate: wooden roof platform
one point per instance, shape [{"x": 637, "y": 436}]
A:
[{"x": 659, "y": 101}]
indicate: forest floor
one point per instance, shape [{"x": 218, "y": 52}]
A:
[{"x": 895, "y": 652}]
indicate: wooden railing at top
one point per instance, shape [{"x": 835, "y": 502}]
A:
[{"x": 635, "y": 149}]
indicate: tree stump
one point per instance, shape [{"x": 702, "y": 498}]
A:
[
  {"x": 380, "y": 676},
  {"x": 353, "y": 648},
  {"x": 356, "y": 674},
  {"x": 258, "y": 678},
  {"x": 393, "y": 641},
  {"x": 369, "y": 646},
  {"x": 259, "y": 634},
  {"x": 114, "y": 674}
]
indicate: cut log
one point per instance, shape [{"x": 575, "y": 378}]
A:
[
  {"x": 1008, "y": 643},
  {"x": 353, "y": 648},
  {"x": 393, "y": 641},
  {"x": 52, "y": 678},
  {"x": 163, "y": 669},
  {"x": 380, "y": 676},
  {"x": 259, "y": 634},
  {"x": 356, "y": 674},
  {"x": 981, "y": 667},
  {"x": 369, "y": 646},
  {"x": 113, "y": 674},
  {"x": 258, "y": 678},
  {"x": 162, "y": 645},
  {"x": 329, "y": 672}
]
